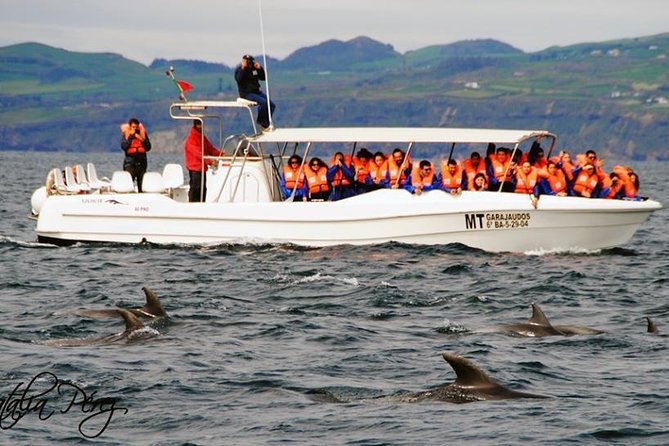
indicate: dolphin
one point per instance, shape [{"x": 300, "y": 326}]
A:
[
  {"x": 652, "y": 328},
  {"x": 538, "y": 326},
  {"x": 471, "y": 384},
  {"x": 152, "y": 309},
  {"x": 132, "y": 325}
]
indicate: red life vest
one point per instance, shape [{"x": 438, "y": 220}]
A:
[
  {"x": 417, "y": 179},
  {"x": 317, "y": 181},
  {"x": 290, "y": 177},
  {"x": 378, "y": 173},
  {"x": 471, "y": 171},
  {"x": 585, "y": 182},
  {"x": 450, "y": 181},
  {"x": 136, "y": 145},
  {"x": 525, "y": 182}
]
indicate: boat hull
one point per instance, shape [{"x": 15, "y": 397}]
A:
[{"x": 490, "y": 221}]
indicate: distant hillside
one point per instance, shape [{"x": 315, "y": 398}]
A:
[
  {"x": 613, "y": 95},
  {"x": 335, "y": 55}
]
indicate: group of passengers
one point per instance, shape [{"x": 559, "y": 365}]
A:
[
  {"x": 583, "y": 176},
  {"x": 502, "y": 169}
]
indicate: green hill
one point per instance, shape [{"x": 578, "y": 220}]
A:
[{"x": 608, "y": 95}]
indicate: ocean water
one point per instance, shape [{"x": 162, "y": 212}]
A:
[{"x": 259, "y": 337}]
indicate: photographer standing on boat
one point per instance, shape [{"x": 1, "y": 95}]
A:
[
  {"x": 135, "y": 143},
  {"x": 248, "y": 76}
]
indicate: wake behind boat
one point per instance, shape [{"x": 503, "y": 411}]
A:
[{"x": 245, "y": 203}]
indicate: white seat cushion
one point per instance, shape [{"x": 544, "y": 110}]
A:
[
  {"x": 153, "y": 183},
  {"x": 121, "y": 182}
]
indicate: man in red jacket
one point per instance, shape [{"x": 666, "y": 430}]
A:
[{"x": 196, "y": 145}]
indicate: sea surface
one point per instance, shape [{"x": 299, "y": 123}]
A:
[{"x": 261, "y": 338}]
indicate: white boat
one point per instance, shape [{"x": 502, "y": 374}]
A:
[{"x": 244, "y": 202}]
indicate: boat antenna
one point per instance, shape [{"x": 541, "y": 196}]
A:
[{"x": 264, "y": 61}]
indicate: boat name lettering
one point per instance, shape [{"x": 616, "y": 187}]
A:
[
  {"x": 507, "y": 220},
  {"x": 141, "y": 209},
  {"x": 93, "y": 200},
  {"x": 508, "y": 216}
]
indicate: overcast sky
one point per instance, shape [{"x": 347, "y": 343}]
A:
[{"x": 223, "y": 30}]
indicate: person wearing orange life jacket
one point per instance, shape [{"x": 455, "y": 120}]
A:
[
  {"x": 614, "y": 187},
  {"x": 196, "y": 144},
  {"x": 293, "y": 175},
  {"x": 586, "y": 182},
  {"x": 565, "y": 163},
  {"x": 555, "y": 183},
  {"x": 527, "y": 179},
  {"x": 361, "y": 168},
  {"x": 629, "y": 180},
  {"x": 472, "y": 167},
  {"x": 590, "y": 157},
  {"x": 479, "y": 184},
  {"x": 399, "y": 169},
  {"x": 501, "y": 170},
  {"x": 341, "y": 177},
  {"x": 422, "y": 178},
  {"x": 135, "y": 143},
  {"x": 451, "y": 178},
  {"x": 378, "y": 169},
  {"x": 318, "y": 188}
]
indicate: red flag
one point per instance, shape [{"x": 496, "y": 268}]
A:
[{"x": 184, "y": 86}]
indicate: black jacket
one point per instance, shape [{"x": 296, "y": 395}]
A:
[{"x": 248, "y": 80}]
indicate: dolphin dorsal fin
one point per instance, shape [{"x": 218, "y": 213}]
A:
[
  {"x": 152, "y": 307},
  {"x": 538, "y": 317},
  {"x": 131, "y": 321},
  {"x": 652, "y": 328},
  {"x": 468, "y": 374}
]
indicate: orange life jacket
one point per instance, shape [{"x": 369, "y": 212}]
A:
[
  {"x": 525, "y": 182},
  {"x": 557, "y": 182},
  {"x": 417, "y": 179},
  {"x": 339, "y": 178},
  {"x": 471, "y": 171},
  {"x": 567, "y": 169},
  {"x": 585, "y": 182},
  {"x": 317, "y": 181},
  {"x": 136, "y": 145},
  {"x": 450, "y": 181},
  {"x": 498, "y": 168},
  {"x": 394, "y": 170},
  {"x": 378, "y": 173},
  {"x": 290, "y": 177},
  {"x": 361, "y": 169},
  {"x": 630, "y": 189}
]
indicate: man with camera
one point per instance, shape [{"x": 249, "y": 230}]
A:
[
  {"x": 248, "y": 76},
  {"x": 135, "y": 143}
]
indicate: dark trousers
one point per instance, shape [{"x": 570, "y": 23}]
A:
[
  {"x": 136, "y": 166},
  {"x": 263, "y": 112},
  {"x": 195, "y": 182}
]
